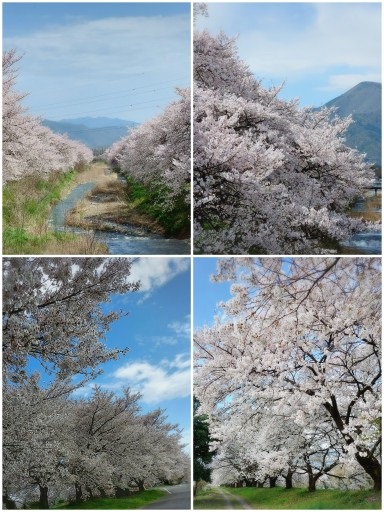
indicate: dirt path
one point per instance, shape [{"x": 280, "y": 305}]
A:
[
  {"x": 105, "y": 207},
  {"x": 227, "y": 497}
]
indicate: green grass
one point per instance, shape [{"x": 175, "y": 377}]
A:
[
  {"x": 279, "y": 498},
  {"x": 151, "y": 201},
  {"x": 209, "y": 499},
  {"x": 26, "y": 208},
  {"x": 137, "y": 500}
]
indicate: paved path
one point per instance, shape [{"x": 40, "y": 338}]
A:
[{"x": 178, "y": 498}]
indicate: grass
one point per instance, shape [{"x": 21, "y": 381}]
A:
[
  {"x": 279, "y": 498},
  {"x": 152, "y": 202},
  {"x": 26, "y": 208},
  {"x": 210, "y": 499},
  {"x": 137, "y": 500}
]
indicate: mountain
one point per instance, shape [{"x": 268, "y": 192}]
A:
[
  {"x": 99, "y": 122},
  {"x": 363, "y": 102},
  {"x": 96, "y": 133}
]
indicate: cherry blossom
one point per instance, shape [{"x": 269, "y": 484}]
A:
[{"x": 269, "y": 177}]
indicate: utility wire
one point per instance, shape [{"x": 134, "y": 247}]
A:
[
  {"x": 114, "y": 94},
  {"x": 125, "y": 108}
]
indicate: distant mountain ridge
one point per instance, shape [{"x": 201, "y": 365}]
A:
[
  {"x": 363, "y": 102},
  {"x": 94, "y": 132}
]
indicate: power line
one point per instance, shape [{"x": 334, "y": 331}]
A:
[
  {"x": 125, "y": 107},
  {"x": 91, "y": 99}
]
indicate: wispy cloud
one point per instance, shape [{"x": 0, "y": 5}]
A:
[
  {"x": 166, "y": 381},
  {"x": 333, "y": 45},
  {"x": 68, "y": 60},
  {"x": 181, "y": 329},
  {"x": 156, "y": 272}
]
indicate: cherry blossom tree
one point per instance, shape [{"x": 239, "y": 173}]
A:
[
  {"x": 269, "y": 177},
  {"x": 36, "y": 445},
  {"x": 303, "y": 334},
  {"x": 52, "y": 311},
  {"x": 157, "y": 153},
  {"x": 28, "y": 146}
]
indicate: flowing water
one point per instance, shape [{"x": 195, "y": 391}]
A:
[
  {"x": 136, "y": 242},
  {"x": 367, "y": 242}
]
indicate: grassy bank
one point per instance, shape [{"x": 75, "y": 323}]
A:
[
  {"x": 26, "y": 207},
  {"x": 152, "y": 203},
  {"x": 279, "y": 498},
  {"x": 137, "y": 500}
]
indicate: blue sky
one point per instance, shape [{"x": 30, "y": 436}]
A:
[
  {"x": 207, "y": 294},
  {"x": 320, "y": 50},
  {"x": 157, "y": 332},
  {"x": 99, "y": 59}
]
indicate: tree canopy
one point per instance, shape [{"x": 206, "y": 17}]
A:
[
  {"x": 291, "y": 377},
  {"x": 269, "y": 177}
]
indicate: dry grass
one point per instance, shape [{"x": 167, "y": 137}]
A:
[
  {"x": 26, "y": 208},
  {"x": 370, "y": 213},
  {"x": 105, "y": 207},
  {"x": 79, "y": 244}
]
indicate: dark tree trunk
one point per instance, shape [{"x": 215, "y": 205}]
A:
[
  {"x": 9, "y": 503},
  {"x": 43, "y": 501},
  {"x": 140, "y": 485},
  {"x": 272, "y": 481},
  {"x": 102, "y": 492},
  {"x": 260, "y": 484},
  {"x": 79, "y": 492},
  {"x": 89, "y": 491},
  {"x": 311, "y": 483},
  {"x": 373, "y": 468},
  {"x": 288, "y": 480}
]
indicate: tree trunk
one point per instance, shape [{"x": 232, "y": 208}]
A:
[
  {"x": 140, "y": 485},
  {"x": 102, "y": 492},
  {"x": 9, "y": 503},
  {"x": 89, "y": 491},
  {"x": 311, "y": 483},
  {"x": 260, "y": 484},
  {"x": 79, "y": 492},
  {"x": 288, "y": 480},
  {"x": 272, "y": 481},
  {"x": 43, "y": 501},
  {"x": 121, "y": 493},
  {"x": 373, "y": 468}
]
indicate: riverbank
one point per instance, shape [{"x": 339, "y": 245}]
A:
[
  {"x": 27, "y": 204},
  {"x": 105, "y": 206}
]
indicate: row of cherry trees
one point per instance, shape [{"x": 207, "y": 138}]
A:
[
  {"x": 29, "y": 148},
  {"x": 269, "y": 177},
  {"x": 56, "y": 445},
  {"x": 290, "y": 377},
  {"x": 157, "y": 153}
]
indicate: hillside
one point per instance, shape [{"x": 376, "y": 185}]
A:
[
  {"x": 99, "y": 132},
  {"x": 363, "y": 102}
]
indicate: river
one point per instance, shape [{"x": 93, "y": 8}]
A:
[
  {"x": 369, "y": 241},
  {"x": 117, "y": 243}
]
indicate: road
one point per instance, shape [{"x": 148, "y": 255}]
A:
[{"x": 178, "y": 498}]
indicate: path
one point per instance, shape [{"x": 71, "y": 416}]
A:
[
  {"x": 178, "y": 498},
  {"x": 227, "y": 497}
]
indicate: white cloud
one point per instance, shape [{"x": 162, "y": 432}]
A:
[
  {"x": 158, "y": 383},
  {"x": 342, "y": 35},
  {"x": 182, "y": 329},
  {"x": 156, "y": 272},
  {"x": 347, "y": 81},
  {"x": 131, "y": 55},
  {"x": 328, "y": 35},
  {"x": 107, "y": 44}
]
